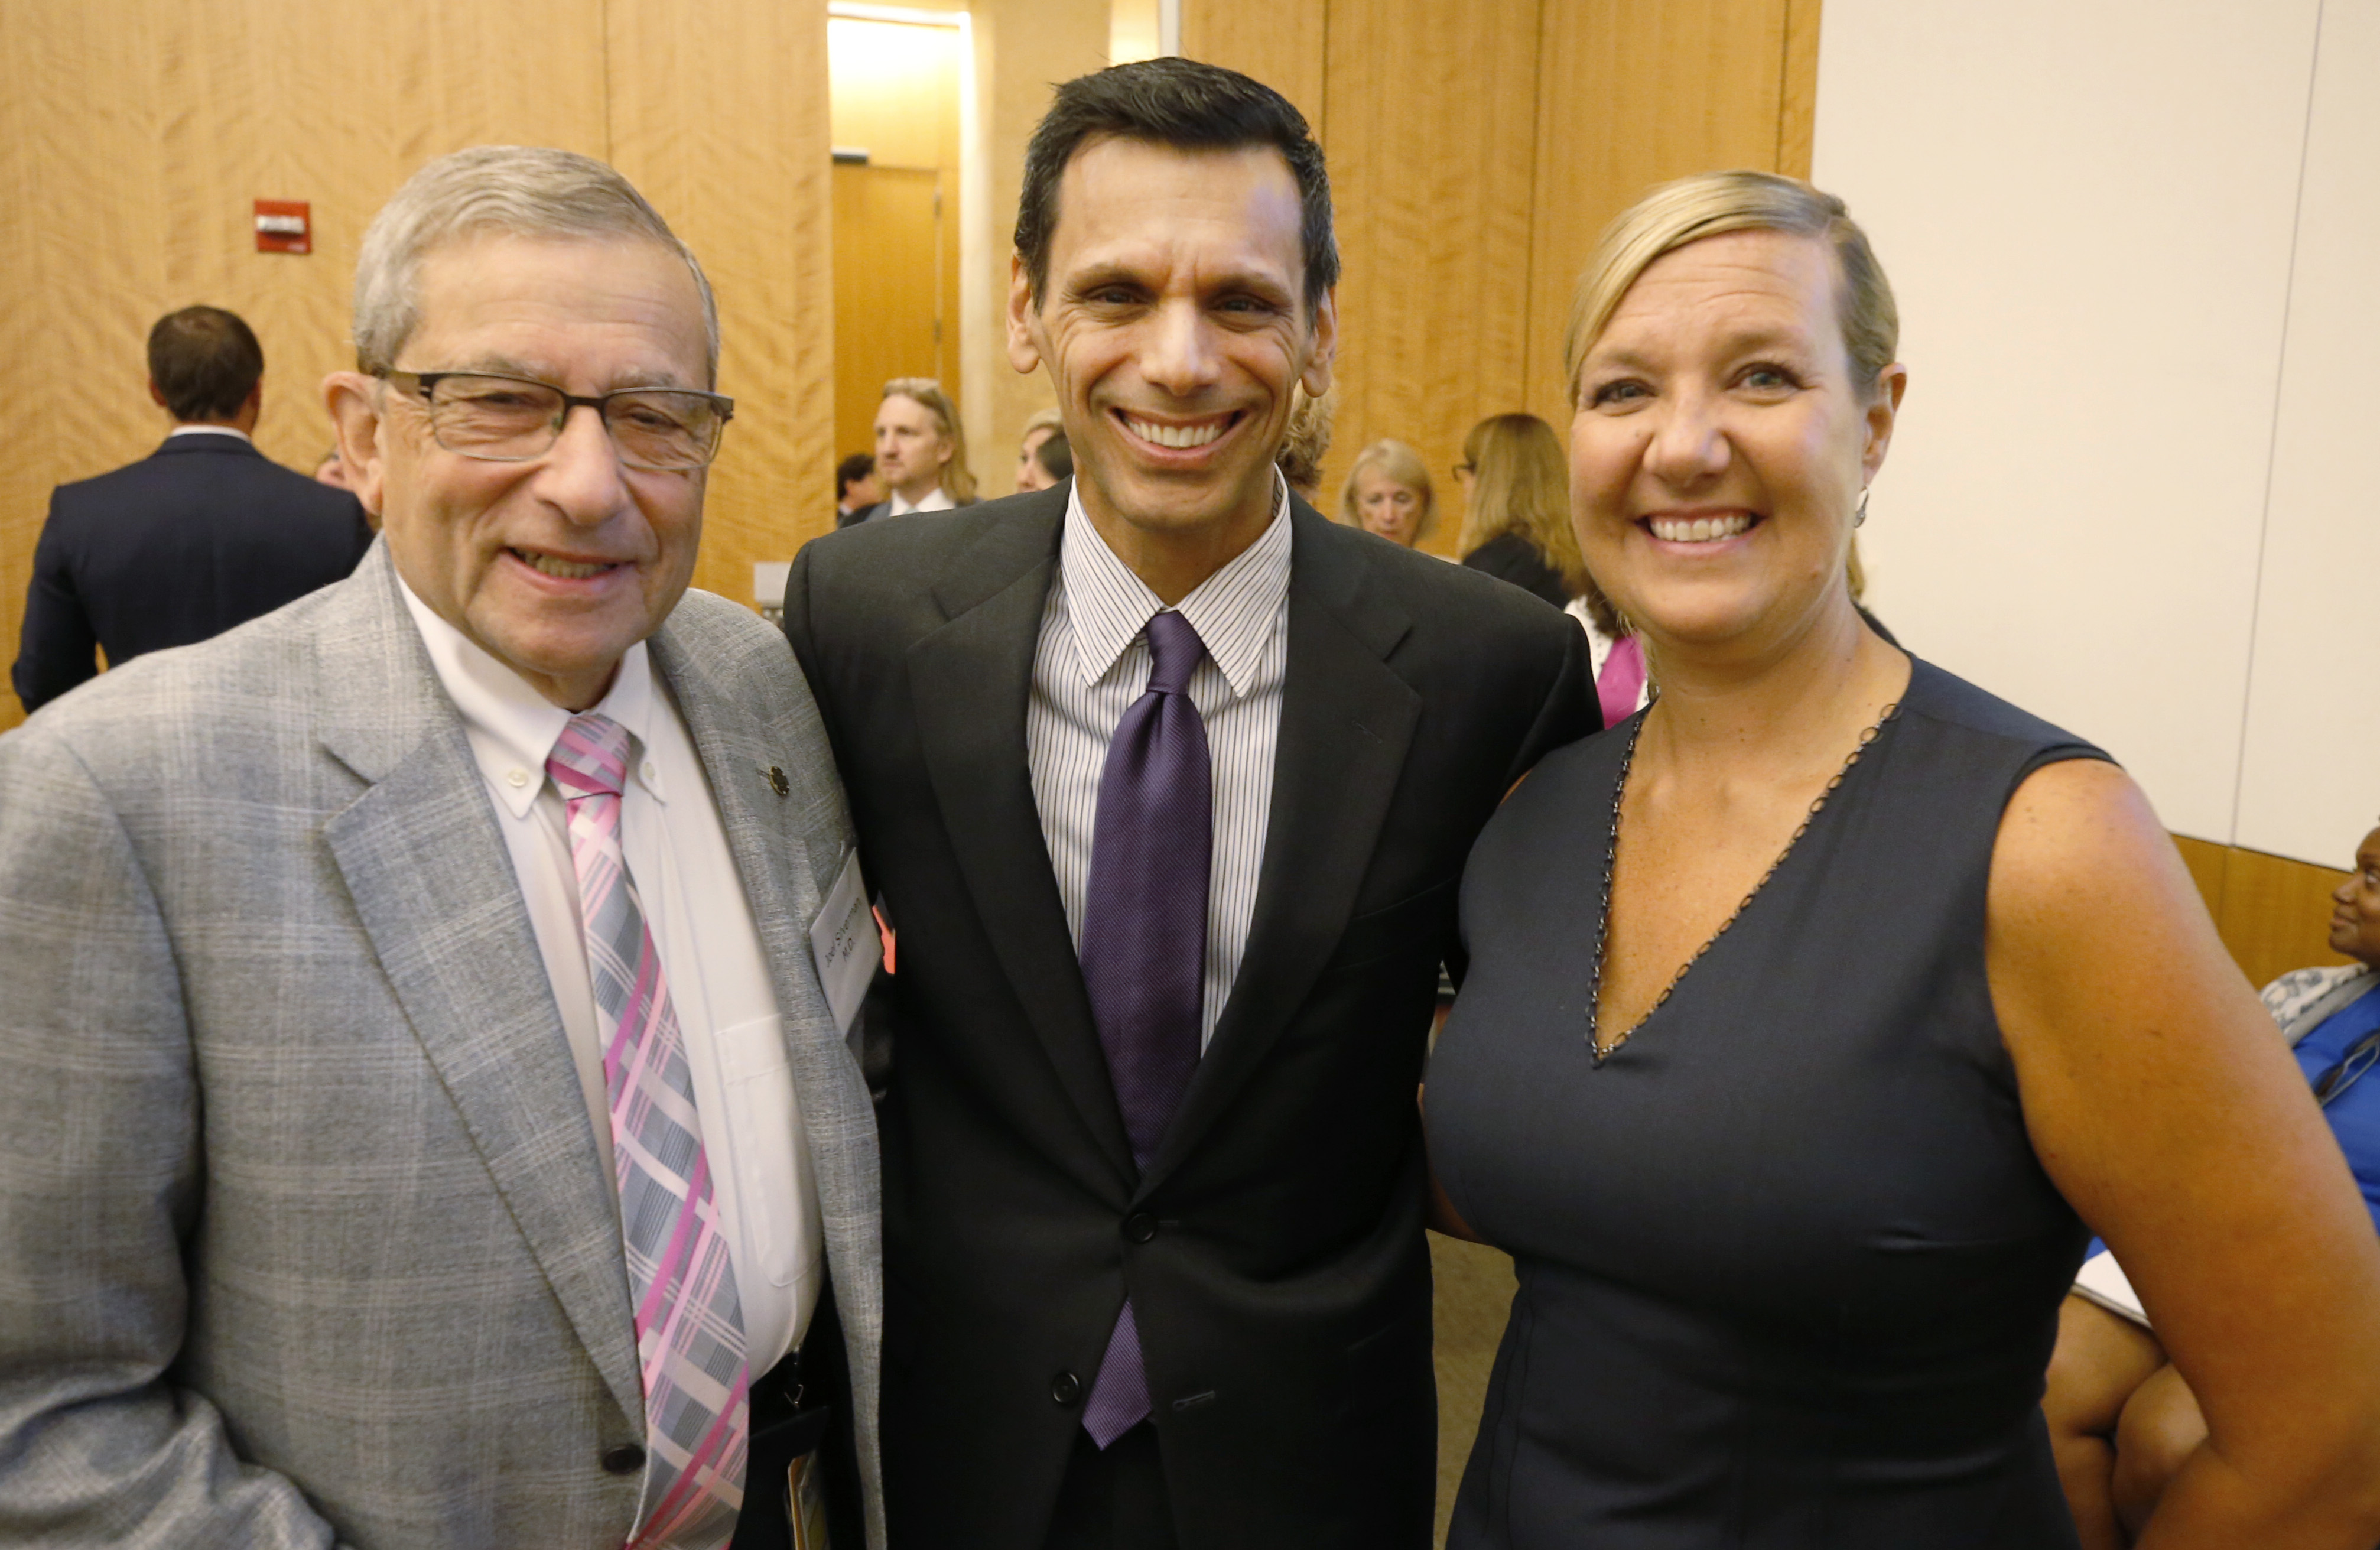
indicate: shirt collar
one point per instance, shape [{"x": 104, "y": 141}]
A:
[
  {"x": 1234, "y": 610},
  {"x": 513, "y": 728},
  {"x": 210, "y": 431},
  {"x": 935, "y": 501}
]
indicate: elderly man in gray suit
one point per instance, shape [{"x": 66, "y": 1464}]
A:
[{"x": 426, "y": 1118}]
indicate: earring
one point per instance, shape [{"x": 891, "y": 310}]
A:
[{"x": 1860, "y": 516}]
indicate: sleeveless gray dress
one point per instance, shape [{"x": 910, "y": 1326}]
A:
[{"x": 1788, "y": 1270}]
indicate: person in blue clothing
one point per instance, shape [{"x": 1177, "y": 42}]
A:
[{"x": 2122, "y": 1418}]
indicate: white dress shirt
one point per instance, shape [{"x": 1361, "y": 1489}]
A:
[
  {"x": 210, "y": 431},
  {"x": 934, "y": 502},
  {"x": 701, "y": 923},
  {"x": 1092, "y": 662}
]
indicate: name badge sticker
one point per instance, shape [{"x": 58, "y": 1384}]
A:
[{"x": 845, "y": 945}]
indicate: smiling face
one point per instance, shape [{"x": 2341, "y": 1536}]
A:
[
  {"x": 1387, "y": 507},
  {"x": 1720, "y": 445},
  {"x": 558, "y": 565},
  {"x": 1173, "y": 327},
  {"x": 2355, "y": 908}
]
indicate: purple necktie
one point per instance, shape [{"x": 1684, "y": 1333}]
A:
[{"x": 1144, "y": 942}]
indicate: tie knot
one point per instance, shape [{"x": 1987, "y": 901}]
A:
[
  {"x": 1173, "y": 652},
  {"x": 590, "y": 756}
]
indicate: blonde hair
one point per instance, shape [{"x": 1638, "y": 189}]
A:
[
  {"x": 958, "y": 480},
  {"x": 1306, "y": 439},
  {"x": 1518, "y": 485},
  {"x": 1399, "y": 464},
  {"x": 1709, "y": 204},
  {"x": 1042, "y": 419}
]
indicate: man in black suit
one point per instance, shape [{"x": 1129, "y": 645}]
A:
[
  {"x": 1154, "y": 1264},
  {"x": 204, "y": 534},
  {"x": 857, "y": 488}
]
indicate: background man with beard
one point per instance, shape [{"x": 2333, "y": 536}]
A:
[{"x": 1166, "y": 782}]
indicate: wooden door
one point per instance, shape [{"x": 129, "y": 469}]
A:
[{"x": 890, "y": 258}]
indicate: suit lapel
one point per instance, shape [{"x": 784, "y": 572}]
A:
[
  {"x": 1346, "y": 720},
  {"x": 969, "y": 682},
  {"x": 765, "y": 833},
  {"x": 434, "y": 885}
]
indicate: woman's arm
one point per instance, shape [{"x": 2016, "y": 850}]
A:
[{"x": 2161, "y": 1105}]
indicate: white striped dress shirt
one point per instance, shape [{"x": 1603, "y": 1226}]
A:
[{"x": 1092, "y": 662}]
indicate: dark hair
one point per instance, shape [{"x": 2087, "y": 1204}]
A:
[
  {"x": 850, "y": 471},
  {"x": 1188, "y": 106},
  {"x": 205, "y": 362},
  {"x": 1055, "y": 455}
]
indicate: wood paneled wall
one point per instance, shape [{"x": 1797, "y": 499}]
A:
[
  {"x": 2274, "y": 913},
  {"x": 1476, "y": 149},
  {"x": 134, "y": 136},
  {"x": 1281, "y": 42},
  {"x": 1022, "y": 48},
  {"x": 718, "y": 114}
]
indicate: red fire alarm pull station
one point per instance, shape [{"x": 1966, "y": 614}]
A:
[{"x": 284, "y": 226}]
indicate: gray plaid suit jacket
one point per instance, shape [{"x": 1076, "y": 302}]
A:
[{"x": 303, "y": 1236}]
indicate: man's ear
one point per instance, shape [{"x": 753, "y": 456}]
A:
[
  {"x": 1317, "y": 378},
  {"x": 157, "y": 395},
  {"x": 1023, "y": 353},
  {"x": 354, "y": 401}
]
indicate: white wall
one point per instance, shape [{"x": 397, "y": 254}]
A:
[
  {"x": 2136, "y": 378},
  {"x": 2310, "y": 784}
]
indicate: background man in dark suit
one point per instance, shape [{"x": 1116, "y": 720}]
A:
[
  {"x": 1166, "y": 783},
  {"x": 855, "y": 488},
  {"x": 203, "y": 533}
]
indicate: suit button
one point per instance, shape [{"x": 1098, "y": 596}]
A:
[
  {"x": 622, "y": 1458},
  {"x": 1140, "y": 1226},
  {"x": 1064, "y": 1389}
]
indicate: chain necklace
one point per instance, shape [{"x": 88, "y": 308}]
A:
[{"x": 1603, "y": 1052}]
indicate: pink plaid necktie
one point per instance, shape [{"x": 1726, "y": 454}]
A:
[{"x": 689, "y": 1325}]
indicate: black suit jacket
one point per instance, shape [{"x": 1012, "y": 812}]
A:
[
  {"x": 1273, "y": 1251},
  {"x": 1510, "y": 557},
  {"x": 204, "y": 534}
]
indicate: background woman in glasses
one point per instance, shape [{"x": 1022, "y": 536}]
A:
[{"x": 2122, "y": 1418}]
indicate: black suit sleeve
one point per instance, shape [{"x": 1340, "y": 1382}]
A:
[
  {"x": 1570, "y": 710},
  {"x": 364, "y": 535},
  {"x": 797, "y": 620},
  {"x": 58, "y": 650}
]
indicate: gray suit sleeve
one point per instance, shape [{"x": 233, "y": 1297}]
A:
[{"x": 100, "y": 1185}]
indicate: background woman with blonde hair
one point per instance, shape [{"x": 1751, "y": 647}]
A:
[
  {"x": 1387, "y": 492},
  {"x": 1815, "y": 1008},
  {"x": 1516, "y": 513}
]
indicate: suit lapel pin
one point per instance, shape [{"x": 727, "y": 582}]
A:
[{"x": 777, "y": 781}]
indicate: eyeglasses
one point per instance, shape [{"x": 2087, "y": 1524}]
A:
[
  {"x": 2358, "y": 1059},
  {"x": 513, "y": 420}
]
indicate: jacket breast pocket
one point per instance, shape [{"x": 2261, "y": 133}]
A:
[
  {"x": 776, "y": 1189},
  {"x": 1419, "y": 922}
]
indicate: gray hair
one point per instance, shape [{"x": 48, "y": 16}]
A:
[{"x": 517, "y": 191}]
